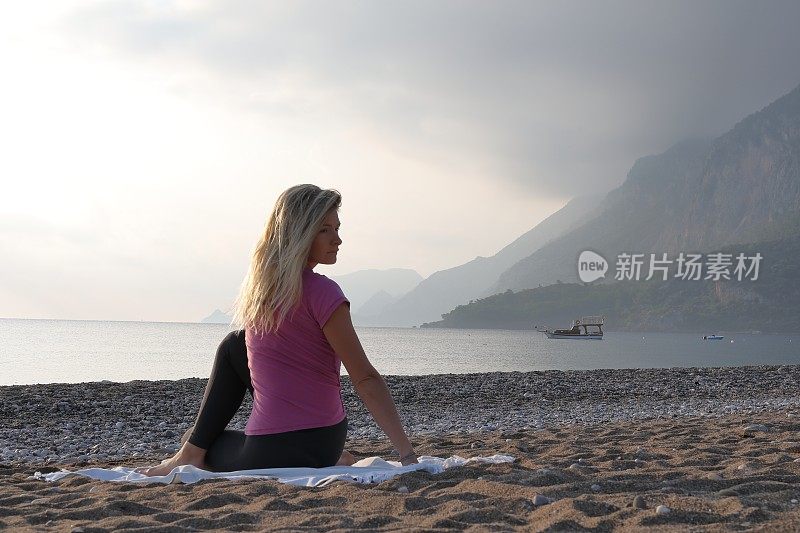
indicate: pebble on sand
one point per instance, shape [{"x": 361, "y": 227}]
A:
[
  {"x": 541, "y": 499},
  {"x": 663, "y": 509},
  {"x": 639, "y": 502}
]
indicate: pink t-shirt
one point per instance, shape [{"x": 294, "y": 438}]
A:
[{"x": 294, "y": 370}]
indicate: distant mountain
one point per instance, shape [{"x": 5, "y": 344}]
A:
[
  {"x": 376, "y": 305},
  {"x": 699, "y": 195},
  {"x": 363, "y": 285},
  {"x": 737, "y": 193},
  {"x": 445, "y": 289},
  {"x": 217, "y": 317},
  {"x": 769, "y": 304}
]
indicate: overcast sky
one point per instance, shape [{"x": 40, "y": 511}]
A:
[{"x": 144, "y": 143}]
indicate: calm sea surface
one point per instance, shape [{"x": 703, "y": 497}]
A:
[{"x": 65, "y": 351}]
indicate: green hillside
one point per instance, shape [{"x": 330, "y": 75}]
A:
[{"x": 769, "y": 304}]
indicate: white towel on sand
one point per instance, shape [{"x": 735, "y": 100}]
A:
[{"x": 369, "y": 470}]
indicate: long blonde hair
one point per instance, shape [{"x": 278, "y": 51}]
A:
[{"x": 274, "y": 284}]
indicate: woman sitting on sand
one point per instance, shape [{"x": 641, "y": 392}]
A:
[{"x": 295, "y": 333}]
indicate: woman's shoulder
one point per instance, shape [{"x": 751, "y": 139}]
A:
[
  {"x": 319, "y": 282},
  {"x": 322, "y": 296}
]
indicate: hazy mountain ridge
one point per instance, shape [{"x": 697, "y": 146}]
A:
[
  {"x": 742, "y": 187},
  {"x": 629, "y": 219},
  {"x": 769, "y": 304},
  {"x": 445, "y": 289},
  {"x": 375, "y": 305},
  {"x": 362, "y": 286},
  {"x": 698, "y": 196},
  {"x": 752, "y": 175}
]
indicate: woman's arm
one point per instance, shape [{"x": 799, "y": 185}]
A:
[{"x": 367, "y": 382}]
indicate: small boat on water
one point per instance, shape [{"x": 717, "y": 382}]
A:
[
  {"x": 579, "y": 330},
  {"x": 713, "y": 337}
]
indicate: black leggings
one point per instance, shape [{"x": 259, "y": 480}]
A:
[{"x": 229, "y": 450}]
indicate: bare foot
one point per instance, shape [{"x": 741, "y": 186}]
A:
[
  {"x": 187, "y": 455},
  {"x": 346, "y": 459},
  {"x": 167, "y": 465}
]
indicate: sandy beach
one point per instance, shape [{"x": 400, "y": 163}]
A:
[{"x": 669, "y": 450}]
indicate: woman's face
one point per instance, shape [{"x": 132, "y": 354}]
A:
[{"x": 327, "y": 241}]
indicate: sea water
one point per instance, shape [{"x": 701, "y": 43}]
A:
[{"x": 67, "y": 351}]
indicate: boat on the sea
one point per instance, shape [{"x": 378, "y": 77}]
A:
[
  {"x": 580, "y": 329},
  {"x": 713, "y": 337}
]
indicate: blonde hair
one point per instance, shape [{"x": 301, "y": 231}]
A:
[{"x": 274, "y": 284}]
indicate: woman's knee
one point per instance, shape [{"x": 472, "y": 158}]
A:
[
  {"x": 233, "y": 345},
  {"x": 233, "y": 339}
]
